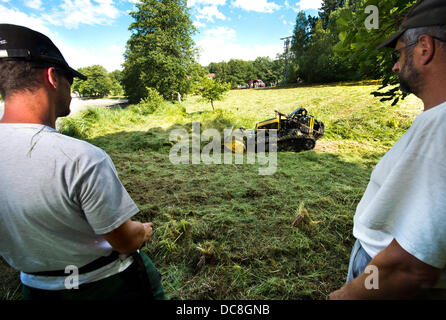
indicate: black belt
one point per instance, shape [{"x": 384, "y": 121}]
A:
[{"x": 94, "y": 265}]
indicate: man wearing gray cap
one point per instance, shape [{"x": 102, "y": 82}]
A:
[
  {"x": 400, "y": 223},
  {"x": 65, "y": 217}
]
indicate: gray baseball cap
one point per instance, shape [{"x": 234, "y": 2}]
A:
[{"x": 424, "y": 13}]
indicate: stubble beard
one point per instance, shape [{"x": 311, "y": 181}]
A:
[
  {"x": 65, "y": 111},
  {"x": 410, "y": 78}
]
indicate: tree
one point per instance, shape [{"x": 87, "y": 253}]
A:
[
  {"x": 116, "y": 78},
  {"x": 278, "y": 67},
  {"x": 360, "y": 44},
  {"x": 98, "y": 84},
  {"x": 160, "y": 51},
  {"x": 197, "y": 72},
  {"x": 301, "y": 35},
  {"x": 213, "y": 90},
  {"x": 237, "y": 72},
  {"x": 327, "y": 7}
]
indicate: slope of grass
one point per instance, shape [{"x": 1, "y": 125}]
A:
[{"x": 226, "y": 232}]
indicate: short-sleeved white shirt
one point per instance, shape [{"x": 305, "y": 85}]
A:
[
  {"x": 406, "y": 196},
  {"x": 58, "y": 195}
]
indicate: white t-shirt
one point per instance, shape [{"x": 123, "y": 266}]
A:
[
  {"x": 58, "y": 195},
  {"x": 406, "y": 196}
]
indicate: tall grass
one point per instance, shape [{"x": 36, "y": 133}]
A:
[{"x": 224, "y": 231}]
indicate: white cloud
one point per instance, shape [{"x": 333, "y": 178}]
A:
[
  {"x": 34, "y": 4},
  {"x": 13, "y": 16},
  {"x": 309, "y": 4},
  {"x": 220, "y": 34},
  {"x": 199, "y": 24},
  {"x": 289, "y": 7},
  {"x": 256, "y": 5},
  {"x": 192, "y": 3},
  {"x": 219, "y": 44},
  {"x": 209, "y": 12},
  {"x": 111, "y": 59},
  {"x": 72, "y": 13}
]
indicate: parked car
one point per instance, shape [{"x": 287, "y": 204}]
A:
[{"x": 256, "y": 83}]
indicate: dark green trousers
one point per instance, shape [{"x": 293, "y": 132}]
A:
[{"x": 139, "y": 281}]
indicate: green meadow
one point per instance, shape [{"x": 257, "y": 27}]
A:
[{"x": 222, "y": 231}]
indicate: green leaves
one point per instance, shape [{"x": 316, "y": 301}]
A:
[
  {"x": 360, "y": 44},
  {"x": 98, "y": 84},
  {"x": 313, "y": 59},
  {"x": 213, "y": 90},
  {"x": 160, "y": 52},
  {"x": 239, "y": 72}
]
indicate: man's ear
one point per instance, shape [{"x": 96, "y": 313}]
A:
[
  {"x": 50, "y": 75},
  {"x": 427, "y": 47}
]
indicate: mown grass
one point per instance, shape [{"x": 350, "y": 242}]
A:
[{"x": 226, "y": 232}]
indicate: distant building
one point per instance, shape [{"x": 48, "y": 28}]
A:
[{"x": 211, "y": 75}]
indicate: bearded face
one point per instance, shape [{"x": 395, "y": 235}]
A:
[{"x": 410, "y": 77}]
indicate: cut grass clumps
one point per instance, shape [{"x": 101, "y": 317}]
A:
[
  {"x": 224, "y": 231},
  {"x": 81, "y": 126}
]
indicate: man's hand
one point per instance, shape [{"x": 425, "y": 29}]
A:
[
  {"x": 401, "y": 276},
  {"x": 148, "y": 227},
  {"x": 130, "y": 236}
]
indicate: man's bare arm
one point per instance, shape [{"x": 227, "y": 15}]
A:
[
  {"x": 129, "y": 237},
  {"x": 401, "y": 276}
]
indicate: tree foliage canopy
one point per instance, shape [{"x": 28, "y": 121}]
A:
[
  {"x": 239, "y": 72},
  {"x": 160, "y": 51},
  {"x": 98, "y": 84},
  {"x": 338, "y": 46},
  {"x": 312, "y": 56},
  {"x": 360, "y": 44},
  {"x": 213, "y": 90}
]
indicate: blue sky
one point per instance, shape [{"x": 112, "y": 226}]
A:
[{"x": 96, "y": 31}]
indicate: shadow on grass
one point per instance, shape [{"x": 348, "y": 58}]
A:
[
  {"x": 225, "y": 232},
  {"x": 216, "y": 220}
]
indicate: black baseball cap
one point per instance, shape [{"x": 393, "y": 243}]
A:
[
  {"x": 424, "y": 13},
  {"x": 21, "y": 43}
]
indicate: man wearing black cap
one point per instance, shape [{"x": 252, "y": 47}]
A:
[
  {"x": 65, "y": 218},
  {"x": 400, "y": 223}
]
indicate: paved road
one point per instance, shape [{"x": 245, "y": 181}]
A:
[{"x": 79, "y": 104}]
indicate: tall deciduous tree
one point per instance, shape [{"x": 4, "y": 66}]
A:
[
  {"x": 98, "y": 84},
  {"x": 160, "y": 51}
]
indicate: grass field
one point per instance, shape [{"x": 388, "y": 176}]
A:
[{"x": 226, "y": 232}]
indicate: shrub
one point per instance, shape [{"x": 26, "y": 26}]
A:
[{"x": 150, "y": 104}]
